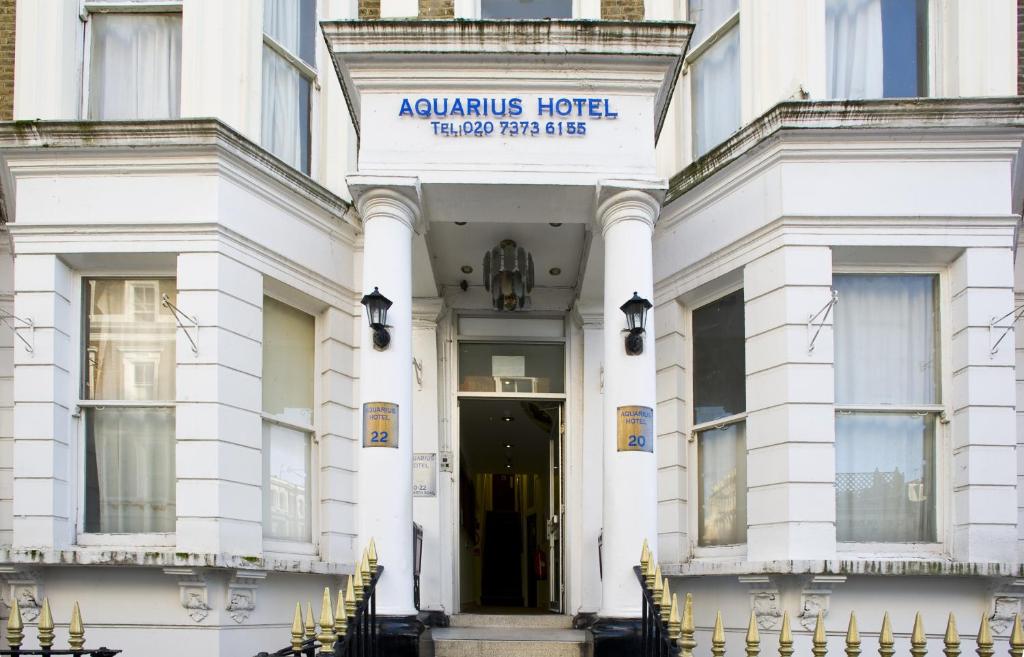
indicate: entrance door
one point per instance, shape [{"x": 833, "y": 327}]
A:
[{"x": 556, "y": 513}]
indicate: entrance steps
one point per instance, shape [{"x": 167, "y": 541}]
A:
[{"x": 499, "y": 635}]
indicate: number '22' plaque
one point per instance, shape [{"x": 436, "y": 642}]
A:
[
  {"x": 635, "y": 429},
  {"x": 380, "y": 424}
]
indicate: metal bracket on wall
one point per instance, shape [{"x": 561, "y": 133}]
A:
[
  {"x": 17, "y": 324},
  {"x": 823, "y": 315},
  {"x": 1017, "y": 313},
  {"x": 165, "y": 301}
]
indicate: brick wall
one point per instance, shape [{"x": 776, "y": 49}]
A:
[
  {"x": 368, "y": 9},
  {"x": 627, "y": 10},
  {"x": 1020, "y": 47},
  {"x": 6, "y": 59},
  {"x": 441, "y": 8}
]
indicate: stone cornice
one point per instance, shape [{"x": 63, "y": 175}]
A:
[
  {"x": 889, "y": 115},
  {"x": 176, "y": 135}
]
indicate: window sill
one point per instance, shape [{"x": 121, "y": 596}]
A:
[
  {"x": 122, "y": 541},
  {"x": 274, "y": 547},
  {"x": 168, "y": 558},
  {"x": 920, "y": 565}
]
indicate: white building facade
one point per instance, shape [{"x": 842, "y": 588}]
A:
[{"x": 821, "y": 199}]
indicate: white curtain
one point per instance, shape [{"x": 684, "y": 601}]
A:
[
  {"x": 716, "y": 93},
  {"x": 722, "y": 459},
  {"x": 853, "y": 42},
  {"x": 885, "y": 355},
  {"x": 283, "y": 126},
  {"x": 288, "y": 343},
  {"x": 885, "y": 340},
  {"x": 281, "y": 22},
  {"x": 135, "y": 66},
  {"x": 708, "y": 15}
]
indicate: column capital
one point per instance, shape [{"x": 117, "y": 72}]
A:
[
  {"x": 396, "y": 197},
  {"x": 426, "y": 311},
  {"x": 619, "y": 200}
]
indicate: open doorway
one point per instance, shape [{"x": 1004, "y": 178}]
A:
[{"x": 510, "y": 516}]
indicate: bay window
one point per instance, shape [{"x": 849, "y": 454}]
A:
[
  {"x": 715, "y": 72},
  {"x": 719, "y": 394},
  {"x": 288, "y": 374},
  {"x": 128, "y": 402},
  {"x": 887, "y": 403},
  {"x": 289, "y": 33},
  {"x": 876, "y": 48},
  {"x": 134, "y": 66}
]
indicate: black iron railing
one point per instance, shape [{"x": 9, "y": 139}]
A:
[
  {"x": 361, "y": 639},
  {"x": 655, "y": 638},
  {"x": 76, "y": 635}
]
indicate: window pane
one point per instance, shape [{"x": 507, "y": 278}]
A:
[
  {"x": 876, "y": 48},
  {"x": 292, "y": 23},
  {"x": 716, "y": 93},
  {"x": 286, "y": 506},
  {"x": 285, "y": 111},
  {"x": 129, "y": 350},
  {"x": 708, "y": 16},
  {"x": 511, "y": 368},
  {"x": 135, "y": 66},
  {"x": 885, "y": 339},
  {"x": 129, "y": 470},
  {"x": 885, "y": 477},
  {"x": 526, "y": 8},
  {"x": 288, "y": 344},
  {"x": 719, "y": 359},
  {"x": 722, "y": 457}
]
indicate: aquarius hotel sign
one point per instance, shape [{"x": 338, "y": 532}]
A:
[{"x": 541, "y": 116}]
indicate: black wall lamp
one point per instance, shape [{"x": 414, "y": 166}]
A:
[
  {"x": 377, "y": 314},
  {"x": 636, "y": 318}
]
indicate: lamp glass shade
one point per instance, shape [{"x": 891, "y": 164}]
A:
[
  {"x": 376, "y": 308},
  {"x": 636, "y": 312}
]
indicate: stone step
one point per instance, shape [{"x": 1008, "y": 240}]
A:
[
  {"x": 508, "y": 642},
  {"x": 519, "y": 621}
]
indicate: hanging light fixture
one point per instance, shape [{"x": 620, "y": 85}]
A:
[{"x": 508, "y": 276}]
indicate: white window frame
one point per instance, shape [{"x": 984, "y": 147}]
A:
[
  {"x": 737, "y": 551},
  {"x": 692, "y": 57},
  {"x": 77, "y": 452},
  {"x": 91, "y": 7},
  {"x": 312, "y": 75},
  {"x": 943, "y": 411},
  {"x": 278, "y": 546}
]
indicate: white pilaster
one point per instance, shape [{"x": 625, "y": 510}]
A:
[
  {"x": 218, "y": 424},
  {"x": 42, "y": 403},
  {"x": 390, "y": 211},
  {"x": 790, "y": 417},
  {"x": 47, "y": 71},
  {"x": 673, "y": 407},
  {"x": 585, "y": 589},
  {"x": 626, "y": 217}
]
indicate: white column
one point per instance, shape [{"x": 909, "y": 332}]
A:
[
  {"x": 630, "y": 486},
  {"x": 385, "y": 474}
]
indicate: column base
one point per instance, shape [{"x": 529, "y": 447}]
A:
[
  {"x": 402, "y": 636},
  {"x": 616, "y": 637}
]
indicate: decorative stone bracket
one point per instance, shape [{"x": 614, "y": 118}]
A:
[
  {"x": 764, "y": 600},
  {"x": 241, "y": 594},
  {"x": 816, "y": 597},
  {"x": 194, "y": 591},
  {"x": 22, "y": 584},
  {"x": 1007, "y": 600}
]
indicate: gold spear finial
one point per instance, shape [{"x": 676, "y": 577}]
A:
[
  {"x": 1016, "y": 638},
  {"x": 326, "y": 636},
  {"x": 340, "y": 622},
  {"x": 785, "y": 637},
  {"x": 310, "y": 625},
  {"x": 15, "y": 627},
  {"x": 753, "y": 637},
  {"x": 76, "y": 630},
  {"x": 649, "y": 575},
  {"x": 645, "y": 559},
  {"x": 45, "y": 626},
  {"x": 358, "y": 575},
  {"x": 666, "y": 596},
  {"x": 372, "y": 553},
  {"x": 297, "y": 628},
  {"x": 673, "y": 617},
  {"x": 819, "y": 642},
  {"x": 984, "y": 648},
  {"x": 852, "y": 637},
  {"x": 951, "y": 638},
  {"x": 885, "y": 639},
  {"x": 918, "y": 641},
  {"x": 718, "y": 637},
  {"x": 350, "y": 597},
  {"x": 686, "y": 641},
  {"x": 364, "y": 569}
]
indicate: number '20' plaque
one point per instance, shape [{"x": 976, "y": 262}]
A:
[
  {"x": 635, "y": 429},
  {"x": 380, "y": 424}
]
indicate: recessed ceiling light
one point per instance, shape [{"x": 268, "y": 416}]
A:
[
  {"x": 508, "y": 466},
  {"x": 555, "y": 271},
  {"x": 507, "y": 417},
  {"x": 508, "y": 445},
  {"x": 466, "y": 269},
  {"x": 555, "y": 224},
  {"x": 460, "y": 223}
]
